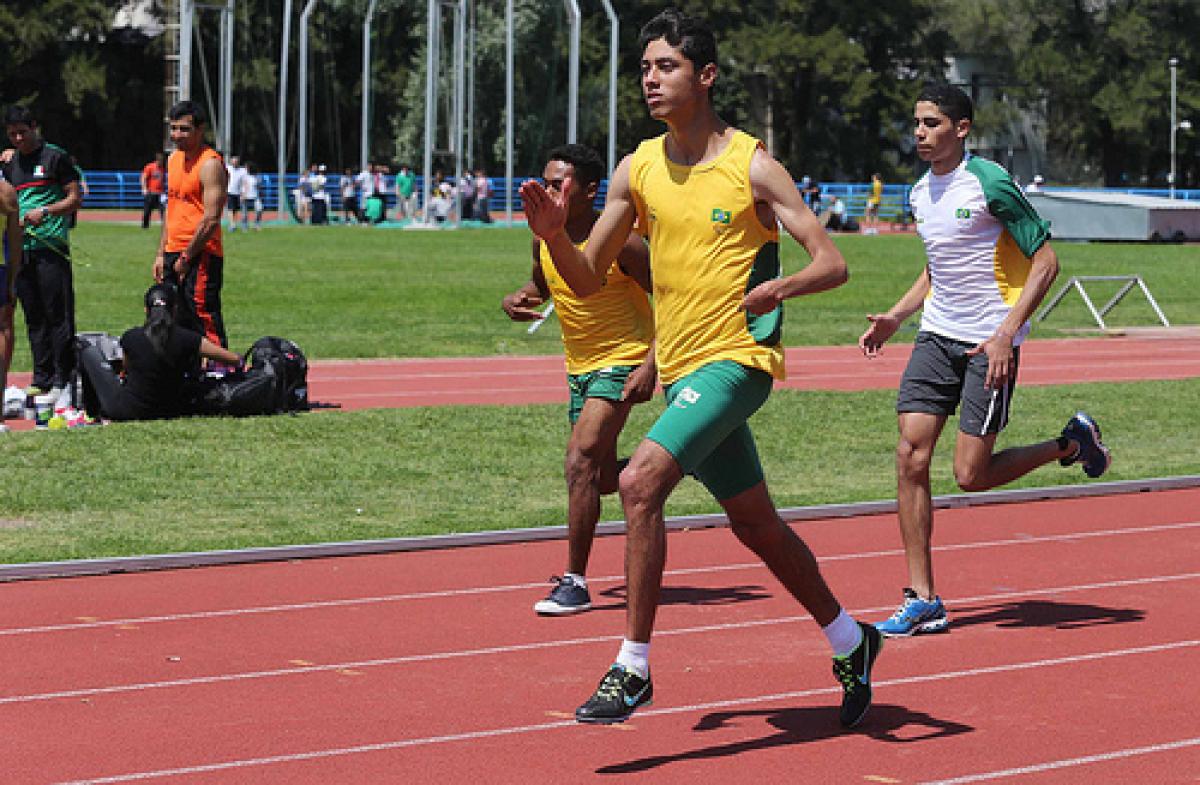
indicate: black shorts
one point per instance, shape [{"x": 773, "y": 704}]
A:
[
  {"x": 233, "y": 202},
  {"x": 940, "y": 375}
]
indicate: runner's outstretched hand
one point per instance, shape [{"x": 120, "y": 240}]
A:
[
  {"x": 883, "y": 326},
  {"x": 545, "y": 211},
  {"x": 521, "y": 306}
]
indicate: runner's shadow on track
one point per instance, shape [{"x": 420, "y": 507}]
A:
[
  {"x": 1043, "y": 613},
  {"x": 692, "y": 595},
  {"x": 885, "y": 722}
]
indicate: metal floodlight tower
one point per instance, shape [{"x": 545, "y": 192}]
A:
[
  {"x": 302, "y": 70},
  {"x": 508, "y": 110},
  {"x": 283, "y": 87},
  {"x": 225, "y": 140},
  {"x": 460, "y": 40},
  {"x": 573, "y": 79},
  {"x": 433, "y": 27},
  {"x": 187, "y": 14},
  {"x": 432, "y": 60},
  {"x": 366, "y": 84},
  {"x": 614, "y": 35},
  {"x": 1173, "y": 64},
  {"x": 470, "y": 65}
]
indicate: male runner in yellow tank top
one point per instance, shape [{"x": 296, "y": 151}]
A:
[
  {"x": 610, "y": 367},
  {"x": 708, "y": 197}
]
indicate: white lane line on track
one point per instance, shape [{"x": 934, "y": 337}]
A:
[
  {"x": 1102, "y": 757},
  {"x": 409, "y": 659},
  {"x": 607, "y": 579},
  {"x": 692, "y": 708}
]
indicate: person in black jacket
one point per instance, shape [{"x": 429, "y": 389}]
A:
[{"x": 161, "y": 367}]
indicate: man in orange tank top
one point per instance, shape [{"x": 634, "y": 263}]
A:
[{"x": 190, "y": 253}]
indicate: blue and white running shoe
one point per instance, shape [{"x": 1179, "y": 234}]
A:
[
  {"x": 914, "y": 616},
  {"x": 1092, "y": 453}
]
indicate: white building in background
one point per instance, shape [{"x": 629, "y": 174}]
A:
[
  {"x": 1020, "y": 147},
  {"x": 138, "y": 15}
]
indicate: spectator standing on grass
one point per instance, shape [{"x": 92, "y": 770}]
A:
[
  {"x": 365, "y": 180},
  {"x": 84, "y": 190},
  {"x": 303, "y": 196},
  {"x": 10, "y": 268},
  {"x": 154, "y": 189},
  {"x": 710, "y": 199},
  {"x": 349, "y": 188},
  {"x": 483, "y": 195},
  {"x": 874, "y": 198},
  {"x": 190, "y": 253},
  {"x": 466, "y": 190},
  {"x": 610, "y": 368},
  {"x": 236, "y": 173},
  {"x": 320, "y": 195},
  {"x": 251, "y": 198},
  {"x": 406, "y": 202},
  {"x": 989, "y": 266},
  {"x": 48, "y": 192}
]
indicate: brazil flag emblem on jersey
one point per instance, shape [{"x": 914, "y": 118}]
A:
[
  {"x": 962, "y": 213},
  {"x": 720, "y": 216}
]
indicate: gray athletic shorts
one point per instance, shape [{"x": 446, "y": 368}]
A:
[{"x": 940, "y": 375}]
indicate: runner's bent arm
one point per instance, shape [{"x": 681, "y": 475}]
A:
[
  {"x": 12, "y": 231},
  {"x": 999, "y": 348},
  {"x": 213, "y": 180},
  {"x": 634, "y": 259},
  {"x": 884, "y": 325},
  {"x": 65, "y": 206},
  {"x": 521, "y": 304},
  {"x": 157, "y": 269},
  {"x": 772, "y": 185},
  {"x": 584, "y": 271}
]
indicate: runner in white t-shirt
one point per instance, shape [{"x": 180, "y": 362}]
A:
[{"x": 989, "y": 266}]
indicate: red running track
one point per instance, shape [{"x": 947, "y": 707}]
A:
[
  {"x": 509, "y": 380},
  {"x": 1072, "y": 658},
  {"x": 542, "y": 379}
]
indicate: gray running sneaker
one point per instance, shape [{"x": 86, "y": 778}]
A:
[{"x": 565, "y": 598}]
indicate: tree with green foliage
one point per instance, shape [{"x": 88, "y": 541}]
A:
[{"x": 1096, "y": 73}]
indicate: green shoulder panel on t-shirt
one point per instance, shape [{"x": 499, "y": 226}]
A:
[{"x": 1009, "y": 205}]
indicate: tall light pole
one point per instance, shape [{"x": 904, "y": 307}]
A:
[
  {"x": 281, "y": 153},
  {"x": 614, "y": 38},
  {"x": 573, "y": 72},
  {"x": 364, "y": 141},
  {"x": 1174, "y": 65}
]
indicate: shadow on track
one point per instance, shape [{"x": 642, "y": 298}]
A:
[
  {"x": 692, "y": 595},
  {"x": 1042, "y": 613},
  {"x": 885, "y": 722}
]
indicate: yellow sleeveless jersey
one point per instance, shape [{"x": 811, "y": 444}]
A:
[
  {"x": 612, "y": 327},
  {"x": 707, "y": 249}
]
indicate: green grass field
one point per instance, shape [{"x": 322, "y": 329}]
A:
[{"x": 347, "y": 292}]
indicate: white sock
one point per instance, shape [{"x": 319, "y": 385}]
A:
[
  {"x": 577, "y": 579},
  {"x": 635, "y": 657},
  {"x": 843, "y": 633}
]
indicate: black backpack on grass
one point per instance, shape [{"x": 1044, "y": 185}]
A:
[{"x": 285, "y": 362}]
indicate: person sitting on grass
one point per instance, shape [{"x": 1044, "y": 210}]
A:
[{"x": 161, "y": 367}]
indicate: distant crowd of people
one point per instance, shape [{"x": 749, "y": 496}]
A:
[{"x": 368, "y": 195}]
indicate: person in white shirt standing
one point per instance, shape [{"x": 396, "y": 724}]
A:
[
  {"x": 989, "y": 266},
  {"x": 251, "y": 198},
  {"x": 233, "y": 203}
]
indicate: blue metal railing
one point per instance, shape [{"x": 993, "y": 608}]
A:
[{"x": 122, "y": 190}]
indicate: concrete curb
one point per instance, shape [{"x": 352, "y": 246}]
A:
[{"x": 166, "y": 561}]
